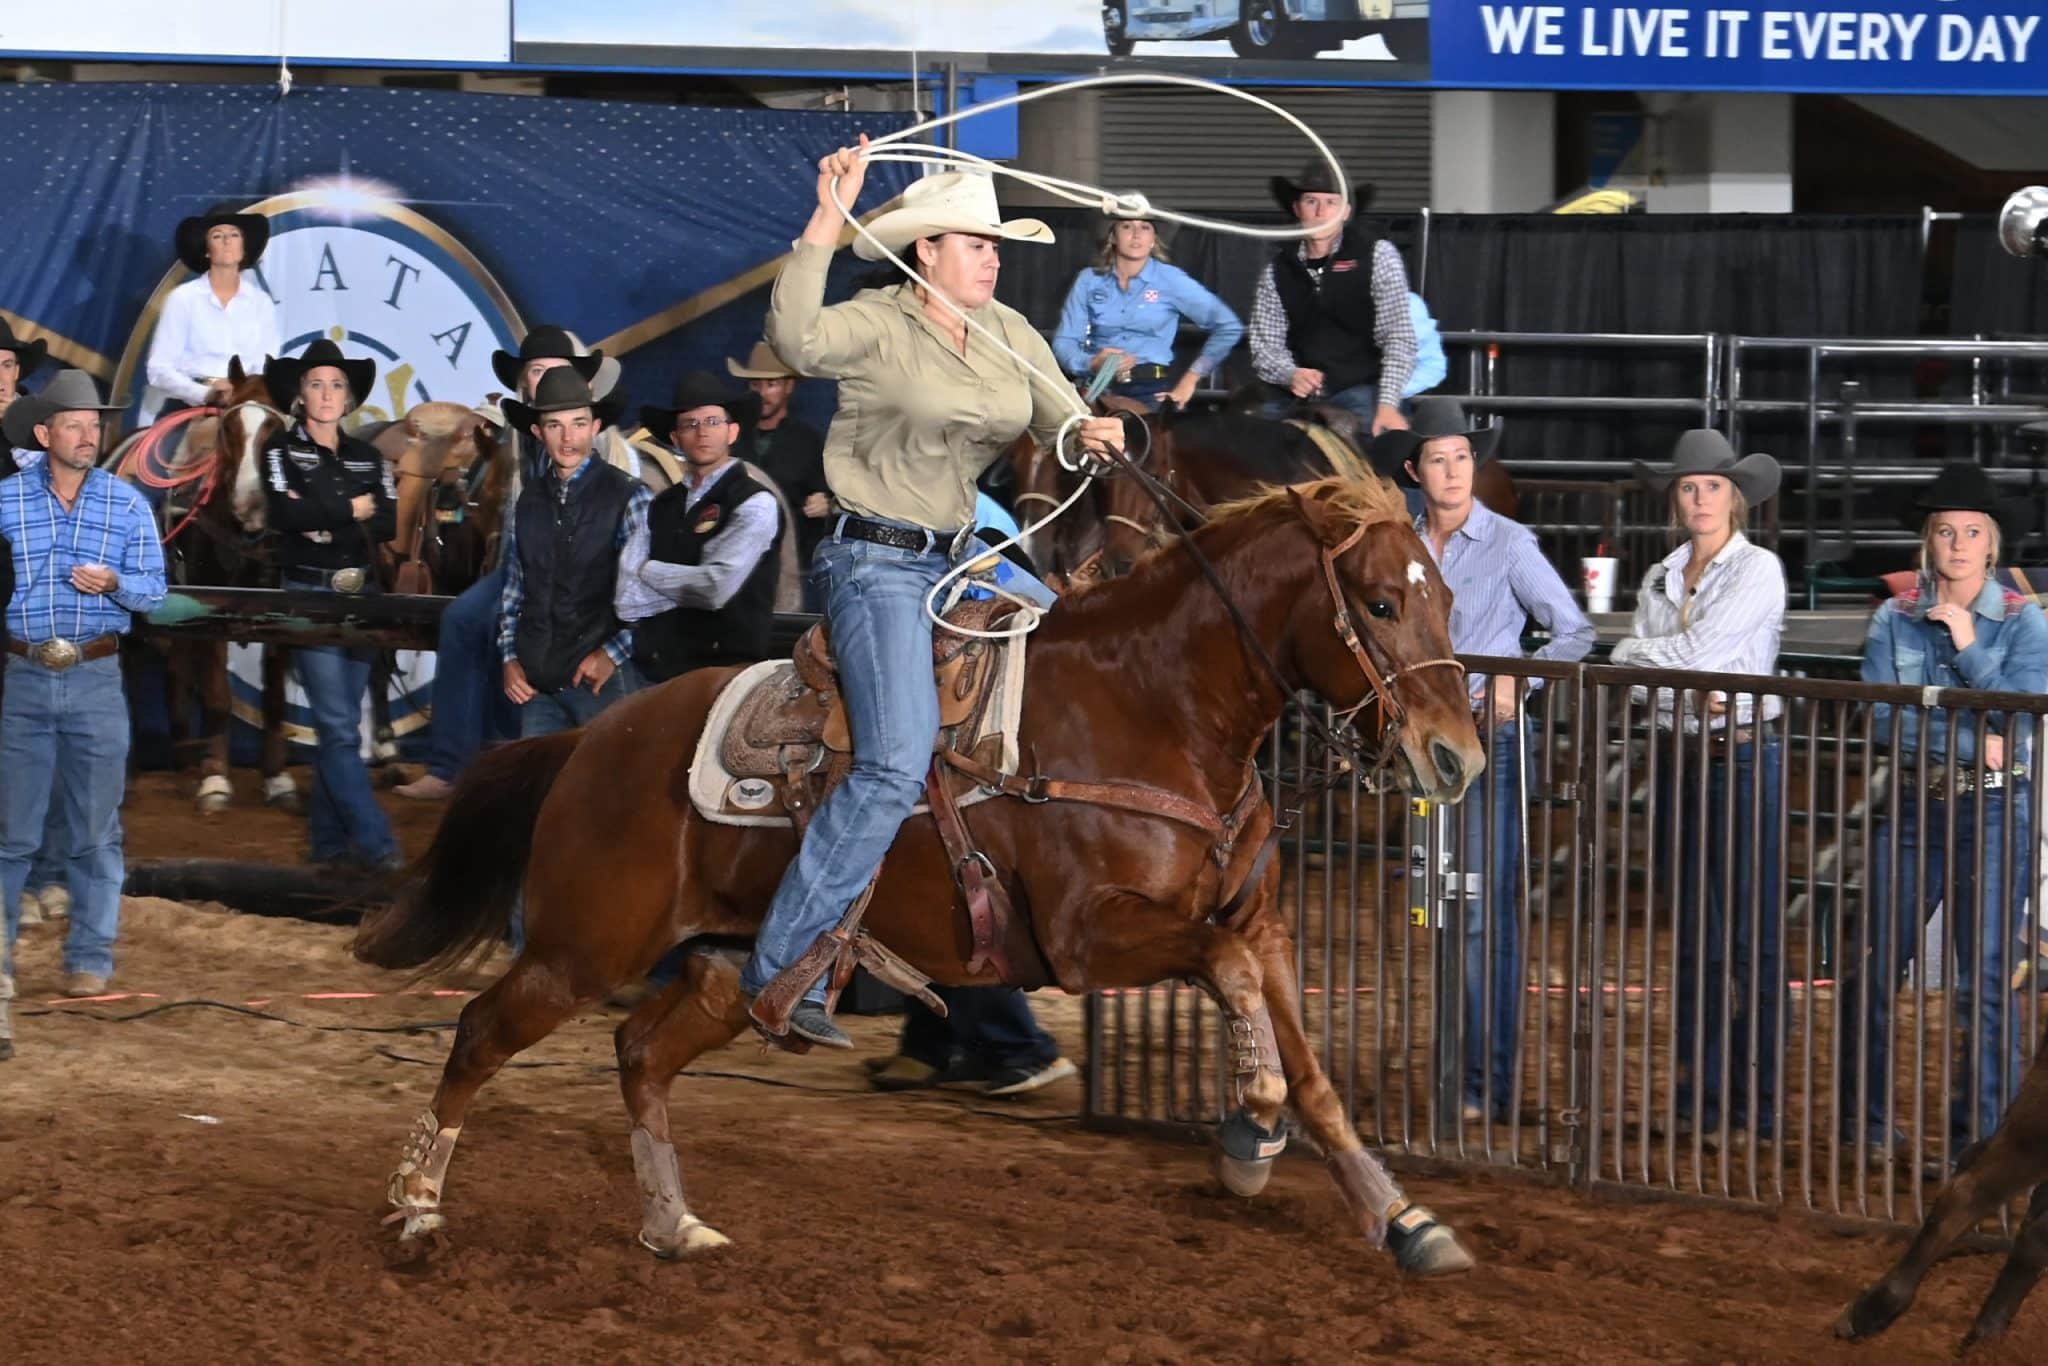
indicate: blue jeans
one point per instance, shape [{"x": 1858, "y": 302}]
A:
[
  {"x": 874, "y": 599},
  {"x": 1725, "y": 949},
  {"x": 1977, "y": 972},
  {"x": 551, "y": 713},
  {"x": 64, "y": 737},
  {"x": 344, "y": 817},
  {"x": 1494, "y": 899},
  {"x": 470, "y": 705},
  {"x": 48, "y": 870},
  {"x": 992, "y": 1026},
  {"x": 1362, "y": 399}
]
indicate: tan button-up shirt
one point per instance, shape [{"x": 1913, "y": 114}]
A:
[{"x": 917, "y": 420}]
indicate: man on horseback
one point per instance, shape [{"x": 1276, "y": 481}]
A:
[
  {"x": 211, "y": 320},
  {"x": 1330, "y": 320},
  {"x": 85, "y": 558},
  {"x": 697, "y": 579}
]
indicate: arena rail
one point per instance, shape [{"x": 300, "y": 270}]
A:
[{"x": 1650, "y": 1044}]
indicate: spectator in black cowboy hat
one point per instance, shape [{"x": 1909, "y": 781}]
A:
[
  {"x": 788, "y": 451},
  {"x": 566, "y": 654},
  {"x": 1330, "y": 318},
  {"x": 330, "y": 501},
  {"x": 468, "y": 669},
  {"x": 1957, "y": 627},
  {"x": 18, "y": 360},
  {"x": 216, "y": 318},
  {"x": 698, "y": 576}
]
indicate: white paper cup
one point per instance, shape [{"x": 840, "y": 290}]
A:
[{"x": 1601, "y": 571}]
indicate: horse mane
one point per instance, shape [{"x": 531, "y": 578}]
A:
[{"x": 1365, "y": 500}]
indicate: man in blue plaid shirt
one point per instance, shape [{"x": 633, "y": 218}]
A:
[{"x": 85, "y": 557}]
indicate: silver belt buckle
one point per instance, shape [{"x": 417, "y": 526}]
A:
[
  {"x": 348, "y": 580},
  {"x": 55, "y": 654}
]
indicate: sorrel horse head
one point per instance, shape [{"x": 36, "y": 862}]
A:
[
  {"x": 1146, "y": 679},
  {"x": 208, "y": 468}
]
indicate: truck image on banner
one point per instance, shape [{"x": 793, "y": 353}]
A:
[{"x": 1280, "y": 29}]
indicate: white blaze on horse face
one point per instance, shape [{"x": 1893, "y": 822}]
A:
[
  {"x": 248, "y": 422},
  {"x": 1418, "y": 576}
]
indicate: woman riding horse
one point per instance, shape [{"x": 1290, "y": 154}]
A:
[{"x": 924, "y": 407}]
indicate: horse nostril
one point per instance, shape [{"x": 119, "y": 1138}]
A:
[{"x": 1449, "y": 765}]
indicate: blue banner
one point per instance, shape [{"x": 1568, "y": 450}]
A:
[{"x": 1931, "y": 47}]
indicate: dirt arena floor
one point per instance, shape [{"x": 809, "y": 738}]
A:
[{"x": 197, "y": 1184}]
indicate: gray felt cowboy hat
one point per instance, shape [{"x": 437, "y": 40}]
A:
[
  {"x": 1434, "y": 418},
  {"x": 191, "y": 237},
  {"x": 1705, "y": 451},
  {"x": 699, "y": 389},
  {"x": 282, "y": 374},
  {"x": 559, "y": 390},
  {"x": 761, "y": 363},
  {"x": 72, "y": 391}
]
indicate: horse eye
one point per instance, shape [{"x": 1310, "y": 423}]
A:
[{"x": 1381, "y": 608}]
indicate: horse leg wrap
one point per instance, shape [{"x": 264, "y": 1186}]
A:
[
  {"x": 1245, "y": 1153},
  {"x": 1369, "y": 1192},
  {"x": 215, "y": 792},
  {"x": 1252, "y": 1048},
  {"x": 7, "y": 1009},
  {"x": 279, "y": 787},
  {"x": 415, "y": 1192},
  {"x": 668, "y": 1229}
]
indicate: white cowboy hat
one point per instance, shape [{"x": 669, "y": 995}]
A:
[{"x": 958, "y": 201}]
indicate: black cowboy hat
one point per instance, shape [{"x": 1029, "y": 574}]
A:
[
  {"x": 281, "y": 374},
  {"x": 27, "y": 354},
  {"x": 1705, "y": 451},
  {"x": 546, "y": 342},
  {"x": 1966, "y": 486},
  {"x": 559, "y": 390},
  {"x": 72, "y": 391},
  {"x": 191, "y": 237},
  {"x": 699, "y": 389},
  {"x": 1315, "y": 178},
  {"x": 1433, "y": 418}
]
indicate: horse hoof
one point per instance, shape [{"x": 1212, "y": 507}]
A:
[
  {"x": 1424, "y": 1247},
  {"x": 423, "y": 1224},
  {"x": 693, "y": 1237},
  {"x": 1867, "y": 1317},
  {"x": 1243, "y": 1178},
  {"x": 281, "y": 793},
  {"x": 213, "y": 803}
]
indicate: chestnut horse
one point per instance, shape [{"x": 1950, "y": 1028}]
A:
[{"x": 1143, "y": 680}]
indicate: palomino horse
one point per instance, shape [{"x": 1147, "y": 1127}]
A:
[
  {"x": 211, "y": 515},
  {"x": 1158, "y": 680}
]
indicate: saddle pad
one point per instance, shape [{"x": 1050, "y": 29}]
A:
[{"x": 727, "y": 800}]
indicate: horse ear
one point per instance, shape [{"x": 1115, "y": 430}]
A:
[
  {"x": 1319, "y": 517},
  {"x": 236, "y": 374}
]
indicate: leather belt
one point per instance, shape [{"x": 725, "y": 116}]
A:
[
  {"x": 899, "y": 537},
  {"x": 1938, "y": 788},
  {"x": 57, "y": 654},
  {"x": 1145, "y": 373},
  {"x": 349, "y": 581}
]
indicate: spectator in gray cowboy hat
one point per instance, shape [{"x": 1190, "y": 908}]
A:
[
  {"x": 468, "y": 682},
  {"x": 86, "y": 559},
  {"x": 1330, "y": 318},
  {"x": 207, "y": 322},
  {"x": 788, "y": 451},
  {"x": 1716, "y": 604},
  {"x": 1500, "y": 582}
]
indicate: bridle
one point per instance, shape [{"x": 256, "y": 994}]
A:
[{"x": 1380, "y": 681}]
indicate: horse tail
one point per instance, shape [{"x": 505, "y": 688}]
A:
[{"x": 458, "y": 897}]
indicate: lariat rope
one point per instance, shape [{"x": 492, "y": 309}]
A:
[{"x": 895, "y": 147}]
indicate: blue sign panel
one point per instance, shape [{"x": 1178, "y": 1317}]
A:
[{"x": 1965, "y": 47}]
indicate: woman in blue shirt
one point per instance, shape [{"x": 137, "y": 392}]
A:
[
  {"x": 1957, "y": 627},
  {"x": 1129, "y": 306}
]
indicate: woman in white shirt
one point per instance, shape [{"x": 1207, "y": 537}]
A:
[
  {"x": 208, "y": 321},
  {"x": 1716, "y": 604}
]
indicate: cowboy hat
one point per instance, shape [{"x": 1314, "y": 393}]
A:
[
  {"x": 1966, "y": 486},
  {"x": 1705, "y": 451},
  {"x": 1315, "y": 178},
  {"x": 958, "y": 201},
  {"x": 282, "y": 374},
  {"x": 560, "y": 390},
  {"x": 546, "y": 342},
  {"x": 699, "y": 389},
  {"x": 27, "y": 354},
  {"x": 191, "y": 237},
  {"x": 1434, "y": 418},
  {"x": 761, "y": 363},
  {"x": 72, "y": 391}
]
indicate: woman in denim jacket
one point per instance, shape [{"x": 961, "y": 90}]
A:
[{"x": 1957, "y": 627}]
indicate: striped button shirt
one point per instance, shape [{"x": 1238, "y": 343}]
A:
[
  {"x": 1729, "y": 623},
  {"x": 109, "y": 526},
  {"x": 1488, "y": 553},
  {"x": 1393, "y": 327}
]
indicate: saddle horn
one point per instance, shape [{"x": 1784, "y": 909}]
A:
[{"x": 2023, "y": 222}]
